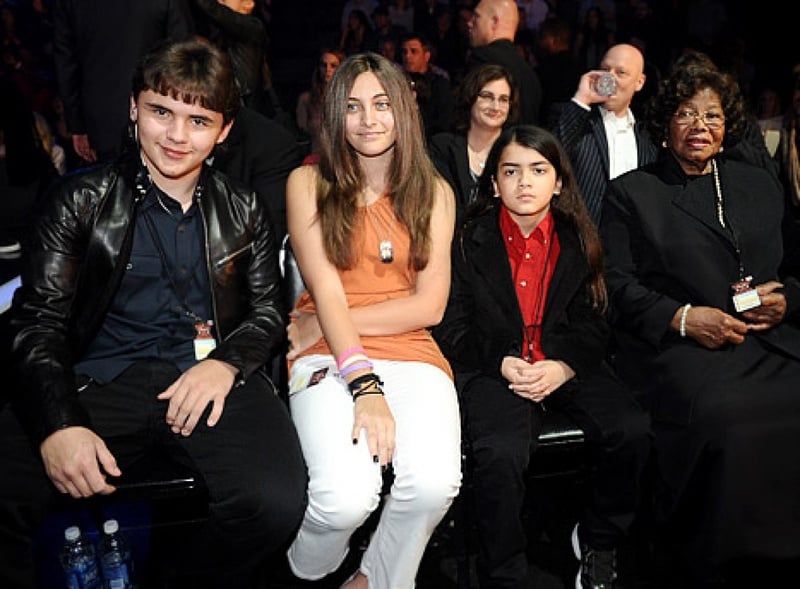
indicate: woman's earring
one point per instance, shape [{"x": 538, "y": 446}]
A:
[{"x": 664, "y": 143}]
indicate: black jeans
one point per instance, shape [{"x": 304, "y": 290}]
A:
[
  {"x": 250, "y": 461},
  {"x": 503, "y": 428}
]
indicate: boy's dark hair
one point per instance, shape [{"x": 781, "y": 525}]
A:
[
  {"x": 193, "y": 71},
  {"x": 567, "y": 206}
]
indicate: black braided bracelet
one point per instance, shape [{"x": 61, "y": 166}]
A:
[
  {"x": 366, "y": 384},
  {"x": 363, "y": 381},
  {"x": 362, "y": 392}
]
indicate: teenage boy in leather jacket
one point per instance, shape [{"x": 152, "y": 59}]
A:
[{"x": 150, "y": 302}]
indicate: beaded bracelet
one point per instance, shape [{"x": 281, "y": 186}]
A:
[{"x": 684, "y": 313}]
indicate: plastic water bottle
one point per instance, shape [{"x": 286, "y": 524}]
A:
[
  {"x": 79, "y": 561},
  {"x": 115, "y": 558}
]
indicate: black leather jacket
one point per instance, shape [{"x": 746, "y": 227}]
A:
[{"x": 74, "y": 264}]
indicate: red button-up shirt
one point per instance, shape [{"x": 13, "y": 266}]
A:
[{"x": 533, "y": 260}]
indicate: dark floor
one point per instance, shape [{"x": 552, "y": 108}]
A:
[{"x": 550, "y": 517}]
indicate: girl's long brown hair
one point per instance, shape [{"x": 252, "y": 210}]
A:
[{"x": 412, "y": 177}]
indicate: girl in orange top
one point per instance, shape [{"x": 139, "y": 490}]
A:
[{"x": 371, "y": 227}]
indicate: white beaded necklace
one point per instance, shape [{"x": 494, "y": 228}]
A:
[{"x": 718, "y": 186}]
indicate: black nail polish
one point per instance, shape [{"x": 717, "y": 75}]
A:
[
  {"x": 355, "y": 441},
  {"x": 375, "y": 459}
]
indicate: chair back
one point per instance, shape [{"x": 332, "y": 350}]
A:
[{"x": 293, "y": 285}]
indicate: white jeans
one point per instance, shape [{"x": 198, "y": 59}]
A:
[{"x": 345, "y": 483}]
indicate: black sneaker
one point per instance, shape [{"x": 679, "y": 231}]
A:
[{"x": 598, "y": 568}]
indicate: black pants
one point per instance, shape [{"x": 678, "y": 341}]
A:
[
  {"x": 503, "y": 428},
  {"x": 250, "y": 461}
]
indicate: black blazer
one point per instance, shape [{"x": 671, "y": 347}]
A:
[
  {"x": 261, "y": 153},
  {"x": 665, "y": 248},
  {"x": 449, "y": 154},
  {"x": 584, "y": 137},
  {"x": 96, "y": 46},
  {"x": 435, "y": 102},
  {"x": 483, "y": 322}
]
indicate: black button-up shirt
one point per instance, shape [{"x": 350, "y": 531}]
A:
[{"x": 153, "y": 313}]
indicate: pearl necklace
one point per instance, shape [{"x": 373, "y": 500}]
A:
[{"x": 718, "y": 187}]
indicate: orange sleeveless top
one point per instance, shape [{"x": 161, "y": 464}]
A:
[{"x": 371, "y": 281}]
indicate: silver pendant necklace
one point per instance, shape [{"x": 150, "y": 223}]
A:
[
  {"x": 385, "y": 246},
  {"x": 475, "y": 156}
]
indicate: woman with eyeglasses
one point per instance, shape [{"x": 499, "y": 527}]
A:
[
  {"x": 486, "y": 103},
  {"x": 704, "y": 301}
]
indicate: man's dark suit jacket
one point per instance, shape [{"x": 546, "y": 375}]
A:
[
  {"x": 583, "y": 135},
  {"x": 96, "y": 45},
  {"x": 435, "y": 99},
  {"x": 503, "y": 52},
  {"x": 260, "y": 152}
]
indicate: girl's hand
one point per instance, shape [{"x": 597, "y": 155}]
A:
[
  {"x": 303, "y": 333},
  {"x": 372, "y": 414}
]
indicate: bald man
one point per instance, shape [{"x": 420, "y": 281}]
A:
[
  {"x": 491, "y": 36},
  {"x": 600, "y": 133}
]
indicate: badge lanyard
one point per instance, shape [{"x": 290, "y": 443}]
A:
[
  {"x": 745, "y": 297},
  {"x": 204, "y": 341}
]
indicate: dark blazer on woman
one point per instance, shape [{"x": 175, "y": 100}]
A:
[
  {"x": 583, "y": 135},
  {"x": 483, "y": 322},
  {"x": 449, "y": 154},
  {"x": 665, "y": 248}
]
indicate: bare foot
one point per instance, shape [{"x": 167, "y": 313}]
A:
[{"x": 358, "y": 581}]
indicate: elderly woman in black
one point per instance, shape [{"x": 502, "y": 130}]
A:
[
  {"x": 705, "y": 318},
  {"x": 486, "y": 103}
]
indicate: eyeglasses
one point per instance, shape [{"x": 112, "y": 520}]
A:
[
  {"x": 712, "y": 120},
  {"x": 488, "y": 97}
]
